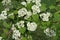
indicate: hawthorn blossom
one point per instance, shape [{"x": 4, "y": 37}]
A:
[
  {"x": 35, "y": 9},
  {"x": 23, "y": 3},
  {"x": 16, "y": 35},
  {"x": 6, "y": 2},
  {"x": 45, "y": 16},
  {"x": 49, "y": 32},
  {"x": 20, "y": 24},
  {"x": 22, "y": 12},
  {"x": 31, "y": 26},
  {"x": 37, "y": 2},
  {"x": 29, "y": 13},
  {"x": 3, "y": 15}
]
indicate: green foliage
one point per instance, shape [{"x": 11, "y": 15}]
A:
[
  {"x": 24, "y": 38},
  {"x": 22, "y": 30},
  {"x": 43, "y": 7},
  {"x": 52, "y": 6},
  {"x": 57, "y": 16},
  {"x": 35, "y": 18},
  {"x": 6, "y": 25}
]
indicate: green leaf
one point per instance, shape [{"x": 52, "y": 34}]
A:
[
  {"x": 52, "y": 7},
  {"x": 23, "y": 38},
  {"x": 57, "y": 16},
  {"x": 35, "y": 17},
  {"x": 45, "y": 24},
  {"x": 29, "y": 6},
  {"x": 6, "y": 25},
  {"x": 15, "y": 12},
  {"x": 11, "y": 17},
  {"x": 22, "y": 30},
  {"x": 43, "y": 7}
]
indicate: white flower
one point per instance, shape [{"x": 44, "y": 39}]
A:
[
  {"x": 5, "y": 2},
  {"x": 0, "y": 38},
  {"x": 20, "y": 24},
  {"x": 28, "y": 1},
  {"x": 49, "y": 32},
  {"x": 22, "y": 12},
  {"x": 31, "y": 26},
  {"x": 29, "y": 13},
  {"x": 45, "y": 16},
  {"x": 3, "y": 15},
  {"x": 35, "y": 9},
  {"x": 37, "y": 2},
  {"x": 23, "y": 3},
  {"x": 16, "y": 35}
]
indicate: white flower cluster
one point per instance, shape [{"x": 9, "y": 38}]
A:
[
  {"x": 35, "y": 9},
  {"x": 20, "y": 24},
  {"x": 49, "y": 32},
  {"x": 29, "y": 13},
  {"x": 37, "y": 2},
  {"x": 3, "y": 15},
  {"x": 22, "y": 12},
  {"x": 31, "y": 26},
  {"x": 23, "y": 3},
  {"x": 5, "y": 2},
  {"x": 16, "y": 34},
  {"x": 0, "y": 38},
  {"x": 45, "y": 16}
]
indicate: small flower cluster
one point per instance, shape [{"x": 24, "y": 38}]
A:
[
  {"x": 6, "y": 2},
  {"x": 3, "y": 15},
  {"x": 23, "y": 12},
  {"x": 31, "y": 26},
  {"x": 49, "y": 32},
  {"x": 20, "y": 24},
  {"x": 35, "y": 9},
  {"x": 45, "y": 16},
  {"x": 16, "y": 34}
]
